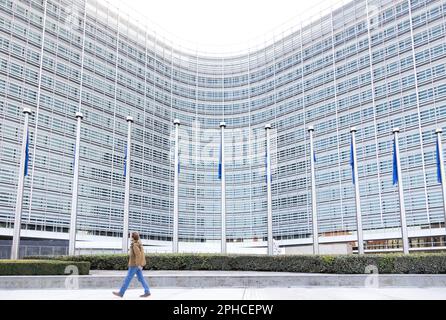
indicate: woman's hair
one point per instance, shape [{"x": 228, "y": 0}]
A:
[{"x": 135, "y": 236}]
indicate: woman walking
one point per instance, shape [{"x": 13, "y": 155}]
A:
[{"x": 137, "y": 261}]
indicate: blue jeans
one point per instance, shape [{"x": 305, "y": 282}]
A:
[{"x": 130, "y": 274}]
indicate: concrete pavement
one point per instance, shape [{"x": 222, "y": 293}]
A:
[
  {"x": 223, "y": 279},
  {"x": 226, "y": 285},
  {"x": 303, "y": 293}
]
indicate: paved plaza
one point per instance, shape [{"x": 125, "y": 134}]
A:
[{"x": 226, "y": 285}]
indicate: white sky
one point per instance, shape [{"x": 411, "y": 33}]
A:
[{"x": 210, "y": 23}]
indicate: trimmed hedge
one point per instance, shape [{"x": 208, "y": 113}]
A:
[
  {"x": 41, "y": 267},
  {"x": 342, "y": 264}
]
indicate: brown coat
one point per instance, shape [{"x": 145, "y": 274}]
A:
[{"x": 136, "y": 255}]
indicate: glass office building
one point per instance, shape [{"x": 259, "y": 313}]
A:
[{"x": 373, "y": 64}]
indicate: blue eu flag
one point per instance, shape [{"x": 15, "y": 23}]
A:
[
  {"x": 27, "y": 154},
  {"x": 395, "y": 164},
  {"x": 125, "y": 161},
  {"x": 352, "y": 161},
  {"x": 74, "y": 156},
  {"x": 439, "y": 178},
  {"x": 266, "y": 166},
  {"x": 179, "y": 167},
  {"x": 220, "y": 160}
]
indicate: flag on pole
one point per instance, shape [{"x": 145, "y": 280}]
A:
[
  {"x": 179, "y": 167},
  {"x": 27, "y": 155},
  {"x": 266, "y": 166},
  {"x": 395, "y": 164},
  {"x": 314, "y": 156},
  {"x": 125, "y": 161},
  {"x": 220, "y": 159},
  {"x": 74, "y": 156},
  {"x": 352, "y": 161},
  {"x": 439, "y": 178}
]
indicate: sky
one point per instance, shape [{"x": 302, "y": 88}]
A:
[{"x": 223, "y": 23}]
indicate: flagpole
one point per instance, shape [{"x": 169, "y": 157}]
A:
[
  {"x": 125, "y": 233},
  {"x": 404, "y": 231},
  {"x": 223, "y": 189},
  {"x": 357, "y": 196},
  {"x": 72, "y": 236},
  {"x": 19, "y": 202},
  {"x": 176, "y": 187},
  {"x": 441, "y": 167},
  {"x": 313, "y": 194},
  {"x": 268, "y": 187}
]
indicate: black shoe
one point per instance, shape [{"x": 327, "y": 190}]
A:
[
  {"x": 145, "y": 295},
  {"x": 117, "y": 294}
]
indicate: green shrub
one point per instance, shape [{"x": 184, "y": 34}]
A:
[
  {"x": 342, "y": 264},
  {"x": 41, "y": 267}
]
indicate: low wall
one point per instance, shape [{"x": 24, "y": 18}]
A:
[{"x": 333, "y": 248}]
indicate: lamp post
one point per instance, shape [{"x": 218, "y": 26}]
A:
[
  {"x": 223, "y": 189},
  {"x": 357, "y": 195},
  {"x": 176, "y": 188},
  {"x": 313, "y": 194},
  {"x": 125, "y": 233},
  {"x": 74, "y": 197},
  {"x": 23, "y": 171}
]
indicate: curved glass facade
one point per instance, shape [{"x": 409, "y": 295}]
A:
[{"x": 370, "y": 64}]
